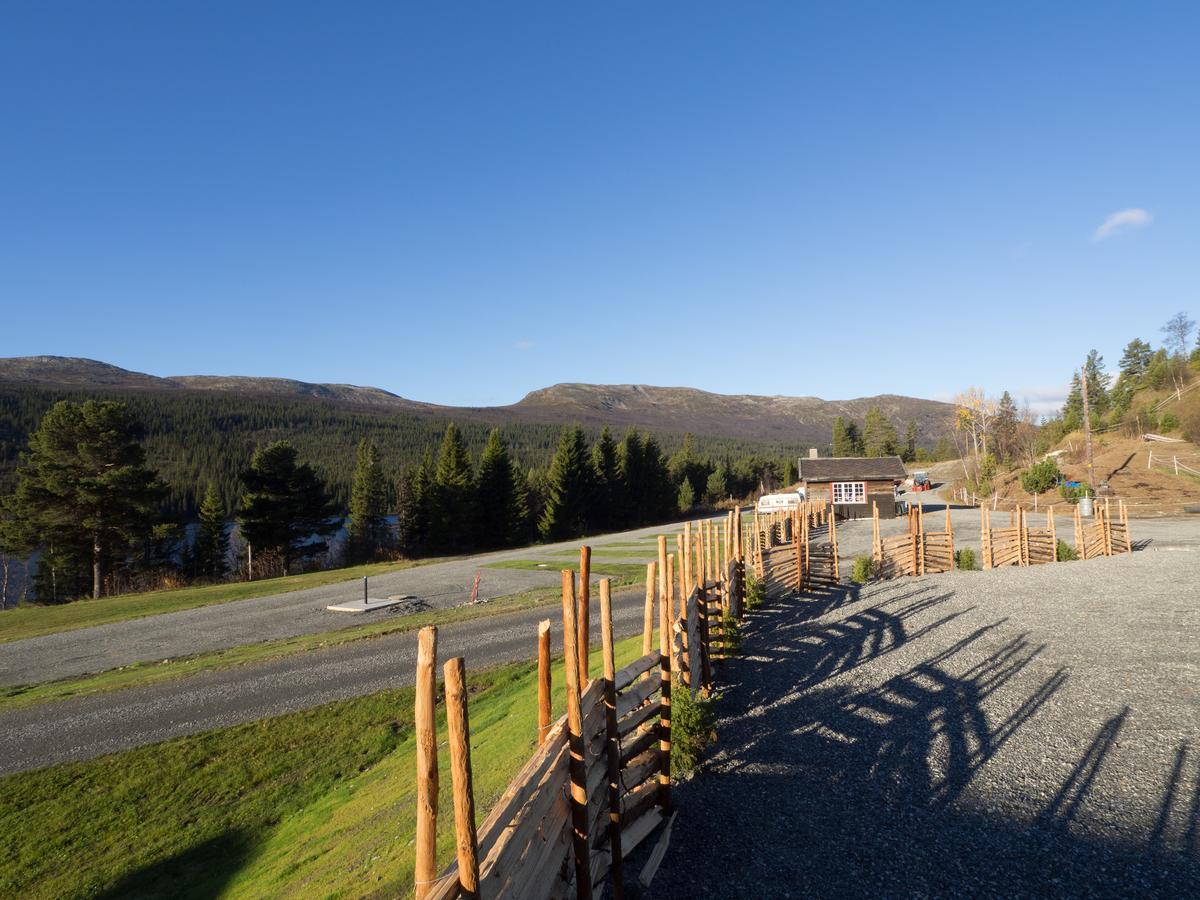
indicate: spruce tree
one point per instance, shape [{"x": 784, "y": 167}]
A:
[
  {"x": 452, "y": 523},
  {"x": 1072, "y": 411},
  {"x": 368, "y": 532},
  {"x": 846, "y": 440},
  {"x": 660, "y": 489},
  {"x": 210, "y": 550},
  {"x": 910, "y": 441},
  {"x": 285, "y": 508},
  {"x": 1004, "y": 428},
  {"x": 879, "y": 435},
  {"x": 717, "y": 488},
  {"x": 85, "y": 499},
  {"x": 1136, "y": 359},
  {"x": 608, "y": 491},
  {"x": 501, "y": 496},
  {"x": 631, "y": 469},
  {"x": 569, "y": 489},
  {"x": 687, "y": 497}
]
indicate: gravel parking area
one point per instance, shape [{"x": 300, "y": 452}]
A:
[{"x": 1018, "y": 732}]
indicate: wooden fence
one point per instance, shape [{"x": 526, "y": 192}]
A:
[
  {"x": 1016, "y": 544},
  {"x": 796, "y": 550},
  {"x": 600, "y": 781},
  {"x": 1103, "y": 536},
  {"x": 916, "y": 552}
]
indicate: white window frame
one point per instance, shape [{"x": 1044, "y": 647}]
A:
[{"x": 850, "y": 491}]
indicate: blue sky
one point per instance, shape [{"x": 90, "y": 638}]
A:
[{"x": 464, "y": 202}]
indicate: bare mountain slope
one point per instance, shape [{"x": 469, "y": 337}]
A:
[{"x": 804, "y": 420}]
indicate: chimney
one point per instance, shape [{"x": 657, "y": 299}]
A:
[{"x": 812, "y": 452}]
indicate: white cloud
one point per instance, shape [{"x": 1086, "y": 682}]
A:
[
  {"x": 1044, "y": 401},
  {"x": 1119, "y": 222},
  {"x": 523, "y": 345}
]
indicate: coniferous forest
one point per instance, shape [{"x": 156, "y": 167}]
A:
[{"x": 292, "y": 472}]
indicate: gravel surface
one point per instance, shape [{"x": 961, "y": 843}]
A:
[
  {"x": 1017, "y": 732},
  {"x": 82, "y": 651},
  {"x": 84, "y": 727}
]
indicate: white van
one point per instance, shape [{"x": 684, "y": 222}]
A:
[{"x": 769, "y": 503}]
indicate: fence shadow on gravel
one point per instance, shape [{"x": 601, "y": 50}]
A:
[{"x": 838, "y": 791}]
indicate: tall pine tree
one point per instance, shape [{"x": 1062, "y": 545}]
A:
[
  {"x": 879, "y": 435},
  {"x": 84, "y": 496},
  {"x": 285, "y": 509},
  {"x": 502, "y": 496},
  {"x": 368, "y": 533},
  {"x": 569, "y": 489},
  {"x": 609, "y": 487},
  {"x": 210, "y": 550},
  {"x": 452, "y": 523}
]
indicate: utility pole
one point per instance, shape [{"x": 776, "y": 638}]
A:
[{"x": 1087, "y": 432}]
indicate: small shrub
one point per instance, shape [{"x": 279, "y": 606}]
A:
[
  {"x": 1168, "y": 421},
  {"x": 1072, "y": 494},
  {"x": 755, "y": 594},
  {"x": 732, "y": 632},
  {"x": 1040, "y": 477},
  {"x": 693, "y": 721},
  {"x": 965, "y": 559},
  {"x": 1064, "y": 552},
  {"x": 864, "y": 570}
]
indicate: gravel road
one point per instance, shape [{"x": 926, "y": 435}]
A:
[
  {"x": 1028, "y": 732},
  {"x": 85, "y": 727},
  {"x": 83, "y": 651}
]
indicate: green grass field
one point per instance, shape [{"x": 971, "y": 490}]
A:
[
  {"x": 313, "y": 804},
  {"x": 32, "y": 621},
  {"x": 143, "y": 673}
]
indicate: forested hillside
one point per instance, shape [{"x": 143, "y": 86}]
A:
[
  {"x": 197, "y": 436},
  {"x": 205, "y": 428}
]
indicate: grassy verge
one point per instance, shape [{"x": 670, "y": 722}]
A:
[
  {"x": 34, "y": 621},
  {"x": 316, "y": 803},
  {"x": 141, "y": 674},
  {"x": 622, "y": 574}
]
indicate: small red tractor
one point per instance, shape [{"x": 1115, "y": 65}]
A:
[{"x": 921, "y": 481}]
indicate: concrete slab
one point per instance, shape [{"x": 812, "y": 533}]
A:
[{"x": 371, "y": 604}]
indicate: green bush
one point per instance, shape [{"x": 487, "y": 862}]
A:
[
  {"x": 1040, "y": 477},
  {"x": 693, "y": 721},
  {"x": 732, "y": 632},
  {"x": 965, "y": 559},
  {"x": 1072, "y": 494},
  {"x": 755, "y": 594},
  {"x": 1064, "y": 552},
  {"x": 864, "y": 570},
  {"x": 1168, "y": 421}
]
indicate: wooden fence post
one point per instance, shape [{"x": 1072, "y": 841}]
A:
[
  {"x": 664, "y": 725},
  {"x": 578, "y": 760},
  {"x": 585, "y": 615},
  {"x": 664, "y": 580},
  {"x": 613, "y": 741},
  {"x": 544, "y": 695},
  {"x": 425, "y": 722},
  {"x": 459, "y": 727},
  {"x": 648, "y": 612}
]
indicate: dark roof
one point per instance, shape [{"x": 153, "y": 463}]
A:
[{"x": 852, "y": 468}]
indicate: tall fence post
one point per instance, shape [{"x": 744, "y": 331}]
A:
[
  {"x": 648, "y": 612},
  {"x": 459, "y": 727},
  {"x": 425, "y": 723},
  {"x": 544, "y": 695},
  {"x": 664, "y": 725},
  {"x": 578, "y": 760},
  {"x": 585, "y": 616},
  {"x": 613, "y": 741}
]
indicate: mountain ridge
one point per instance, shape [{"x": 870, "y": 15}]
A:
[{"x": 804, "y": 419}]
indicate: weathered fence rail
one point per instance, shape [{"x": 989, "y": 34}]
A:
[{"x": 599, "y": 782}]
